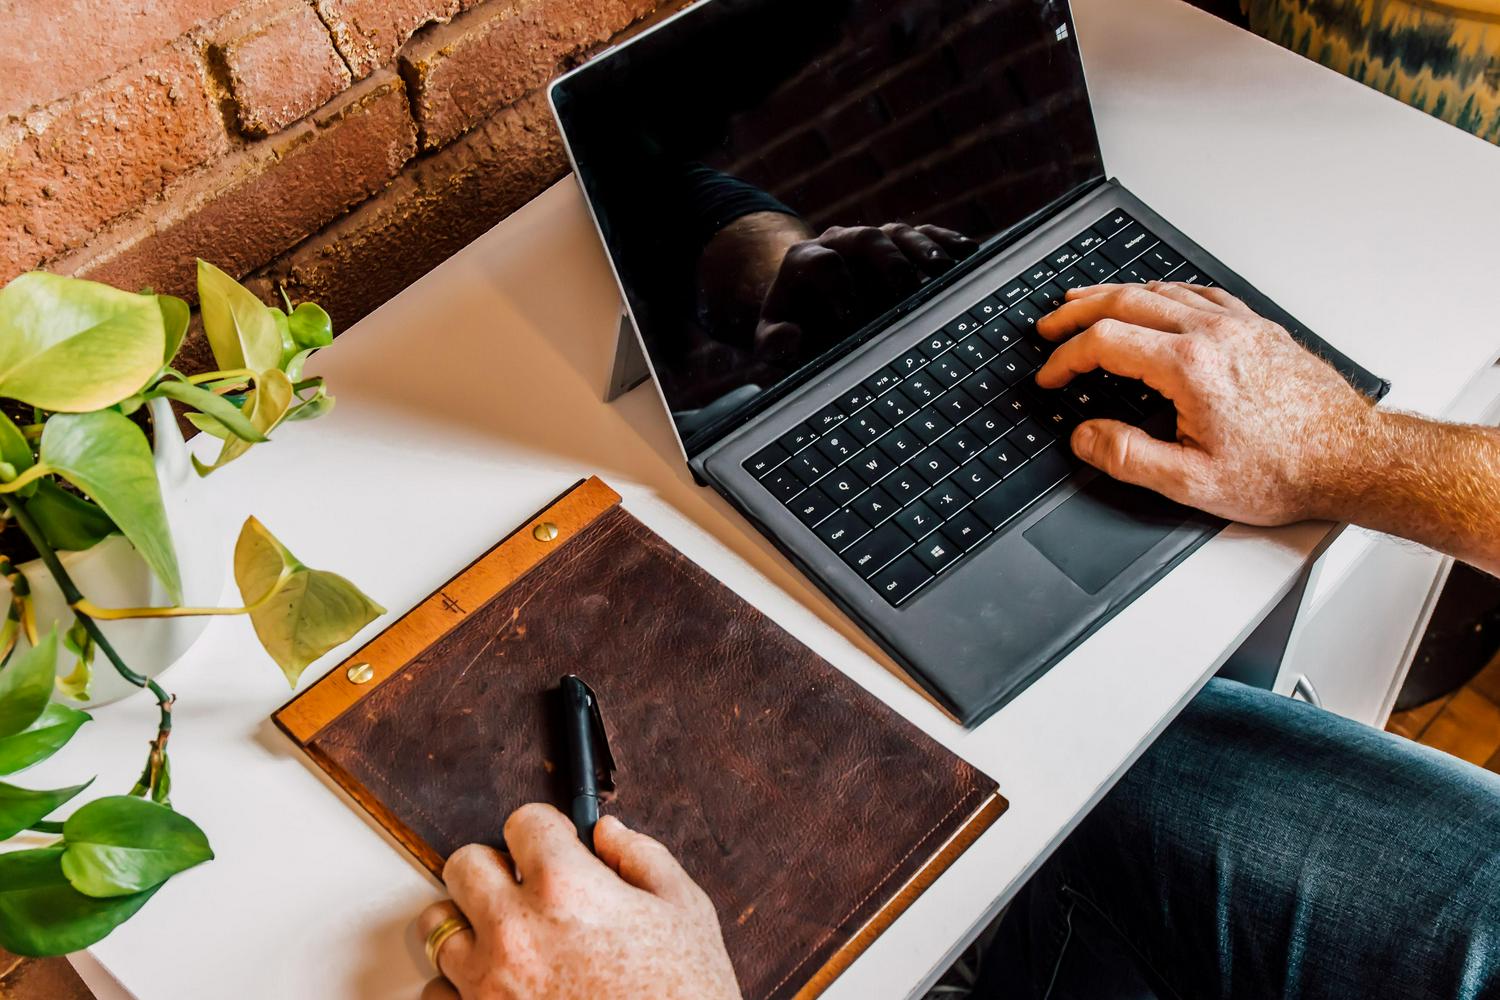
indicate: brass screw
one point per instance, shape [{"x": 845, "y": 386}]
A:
[
  {"x": 360, "y": 673},
  {"x": 544, "y": 532}
]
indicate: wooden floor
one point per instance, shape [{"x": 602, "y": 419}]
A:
[{"x": 1465, "y": 723}]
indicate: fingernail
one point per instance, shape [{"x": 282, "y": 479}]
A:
[{"x": 1083, "y": 439}]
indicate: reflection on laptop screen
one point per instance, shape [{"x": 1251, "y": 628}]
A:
[{"x": 774, "y": 177}]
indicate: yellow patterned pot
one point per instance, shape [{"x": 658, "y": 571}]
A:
[{"x": 1442, "y": 56}]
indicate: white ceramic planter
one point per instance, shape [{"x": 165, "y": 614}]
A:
[{"x": 111, "y": 574}]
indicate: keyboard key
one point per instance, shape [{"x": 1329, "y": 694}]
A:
[
  {"x": 842, "y": 486},
  {"x": 934, "y": 464},
  {"x": 1038, "y": 274},
  {"x": 795, "y": 440},
  {"x": 854, "y": 399},
  {"x": 937, "y": 552},
  {"x": 1096, "y": 268},
  {"x": 1012, "y": 293},
  {"x": 1112, "y": 223},
  {"x": 872, "y": 466},
  {"x": 918, "y": 521},
  {"x": 875, "y": 507},
  {"x": 948, "y": 371},
  {"x": 1034, "y": 354},
  {"x": 1003, "y": 458},
  {"x": 901, "y": 579},
  {"x": 936, "y": 344},
  {"x": 867, "y": 427},
  {"x": 894, "y": 407},
  {"x": 1163, "y": 258},
  {"x": 929, "y": 426},
  {"x": 1023, "y": 316},
  {"x": 946, "y": 498},
  {"x": 1029, "y": 437},
  {"x": 876, "y": 549},
  {"x": 960, "y": 328},
  {"x": 1061, "y": 258},
  {"x": 901, "y": 444},
  {"x": 1014, "y": 406},
  {"x": 962, "y": 445},
  {"x": 975, "y": 478},
  {"x": 783, "y": 485},
  {"x": 837, "y": 446},
  {"x": 1087, "y": 242},
  {"x": 982, "y": 386},
  {"x": 842, "y": 530},
  {"x": 975, "y": 352},
  {"x": 1051, "y": 410},
  {"x": 881, "y": 381},
  {"x": 827, "y": 418},
  {"x": 1074, "y": 277},
  {"x": 986, "y": 311},
  {"x": 913, "y": 360},
  {"x": 957, "y": 406},
  {"x": 765, "y": 460},
  {"x": 966, "y": 529},
  {"x": 1126, "y": 245},
  {"x": 1010, "y": 367},
  {"x": 999, "y": 336},
  {"x": 812, "y": 506},
  {"x": 987, "y": 425},
  {"x": 922, "y": 386},
  {"x": 809, "y": 466},
  {"x": 1048, "y": 297},
  {"x": 1139, "y": 273},
  {"x": 904, "y": 486},
  {"x": 1023, "y": 488}
]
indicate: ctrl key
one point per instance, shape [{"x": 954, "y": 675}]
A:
[{"x": 900, "y": 579}]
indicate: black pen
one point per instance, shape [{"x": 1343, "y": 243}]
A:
[{"x": 589, "y": 762}]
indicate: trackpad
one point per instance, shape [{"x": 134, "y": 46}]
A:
[{"x": 1099, "y": 531}]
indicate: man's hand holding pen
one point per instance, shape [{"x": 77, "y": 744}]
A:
[{"x": 554, "y": 920}]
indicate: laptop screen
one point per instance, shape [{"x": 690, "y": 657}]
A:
[{"x": 776, "y": 179}]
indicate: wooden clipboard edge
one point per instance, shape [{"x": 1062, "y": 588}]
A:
[
  {"x": 979, "y": 821},
  {"x": 442, "y": 611}
]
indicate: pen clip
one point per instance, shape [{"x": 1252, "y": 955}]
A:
[{"x": 604, "y": 759}]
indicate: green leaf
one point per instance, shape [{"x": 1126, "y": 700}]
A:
[
  {"x": 311, "y": 326},
  {"x": 266, "y": 405},
  {"x": 41, "y": 914},
  {"x": 314, "y": 406},
  {"x": 284, "y": 331},
  {"x": 40, "y": 740},
  {"x": 119, "y": 845},
  {"x": 21, "y": 807},
  {"x": 174, "y": 318},
  {"x": 71, "y": 345},
  {"x": 15, "y": 451},
  {"x": 106, "y": 456},
  {"x": 298, "y": 613},
  {"x": 78, "y": 642},
  {"x": 241, "y": 331},
  {"x": 26, "y": 685},
  {"x": 68, "y": 521},
  {"x": 208, "y": 425},
  {"x": 222, "y": 410}
]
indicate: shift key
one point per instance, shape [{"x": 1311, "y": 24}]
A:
[
  {"x": 876, "y": 549},
  {"x": 1025, "y": 485}
]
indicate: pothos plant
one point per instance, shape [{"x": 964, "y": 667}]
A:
[{"x": 78, "y": 362}]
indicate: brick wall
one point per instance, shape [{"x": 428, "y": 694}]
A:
[{"x": 341, "y": 148}]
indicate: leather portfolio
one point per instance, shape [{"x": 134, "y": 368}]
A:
[{"x": 809, "y": 811}]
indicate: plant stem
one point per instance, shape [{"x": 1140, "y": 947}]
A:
[
  {"x": 73, "y": 597},
  {"x": 93, "y": 610},
  {"x": 243, "y": 374}
]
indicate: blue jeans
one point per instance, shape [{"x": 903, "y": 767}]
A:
[{"x": 1265, "y": 848}]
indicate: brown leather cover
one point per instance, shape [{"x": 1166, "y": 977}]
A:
[{"x": 810, "y": 812}]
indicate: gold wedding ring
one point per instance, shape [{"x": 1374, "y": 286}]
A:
[{"x": 440, "y": 935}]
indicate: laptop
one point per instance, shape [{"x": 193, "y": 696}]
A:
[{"x": 834, "y": 227}]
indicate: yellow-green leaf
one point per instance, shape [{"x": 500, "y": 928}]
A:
[
  {"x": 265, "y": 406},
  {"x": 240, "y": 329},
  {"x": 71, "y": 345},
  {"x": 298, "y": 613},
  {"x": 174, "y": 318},
  {"x": 106, "y": 456}
]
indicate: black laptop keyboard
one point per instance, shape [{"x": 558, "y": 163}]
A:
[{"x": 910, "y": 471}]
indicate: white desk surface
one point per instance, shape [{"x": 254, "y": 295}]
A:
[{"x": 473, "y": 398}]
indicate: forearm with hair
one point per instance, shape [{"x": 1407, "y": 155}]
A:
[{"x": 1432, "y": 482}]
